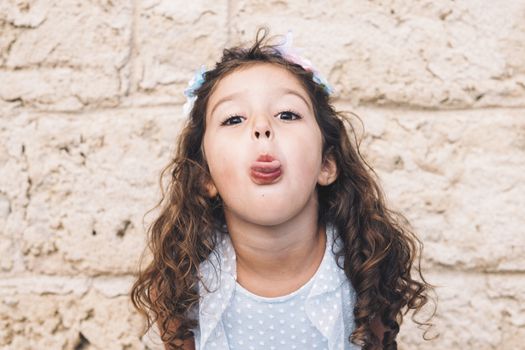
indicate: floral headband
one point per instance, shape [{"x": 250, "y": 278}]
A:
[{"x": 286, "y": 50}]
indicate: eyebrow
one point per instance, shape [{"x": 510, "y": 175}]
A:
[
  {"x": 285, "y": 91},
  {"x": 224, "y": 99}
]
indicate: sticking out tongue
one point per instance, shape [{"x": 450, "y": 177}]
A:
[
  {"x": 265, "y": 172},
  {"x": 266, "y": 167}
]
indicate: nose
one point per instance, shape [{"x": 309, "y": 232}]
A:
[
  {"x": 262, "y": 129},
  {"x": 266, "y": 133}
]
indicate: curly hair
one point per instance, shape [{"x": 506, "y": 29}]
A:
[{"x": 379, "y": 247}]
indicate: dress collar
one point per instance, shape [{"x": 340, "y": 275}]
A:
[{"x": 219, "y": 274}]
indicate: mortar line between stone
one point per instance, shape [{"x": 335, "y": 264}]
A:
[
  {"x": 132, "y": 44},
  {"x": 342, "y": 106},
  {"x": 8, "y": 281},
  {"x": 228, "y": 21}
]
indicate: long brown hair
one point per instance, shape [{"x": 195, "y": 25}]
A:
[{"x": 379, "y": 247}]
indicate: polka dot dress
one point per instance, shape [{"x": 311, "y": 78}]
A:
[{"x": 254, "y": 322}]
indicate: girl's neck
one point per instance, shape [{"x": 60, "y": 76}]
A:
[{"x": 276, "y": 260}]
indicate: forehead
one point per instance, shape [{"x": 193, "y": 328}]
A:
[
  {"x": 261, "y": 72},
  {"x": 260, "y": 76}
]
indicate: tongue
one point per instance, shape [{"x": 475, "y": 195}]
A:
[{"x": 266, "y": 167}]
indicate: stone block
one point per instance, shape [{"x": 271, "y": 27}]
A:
[
  {"x": 454, "y": 176},
  {"x": 89, "y": 183},
  {"x": 72, "y": 321},
  {"x": 64, "y": 55},
  {"x": 475, "y": 311},
  {"x": 432, "y": 54},
  {"x": 172, "y": 41}
]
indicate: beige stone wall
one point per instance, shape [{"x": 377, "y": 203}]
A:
[{"x": 90, "y": 105}]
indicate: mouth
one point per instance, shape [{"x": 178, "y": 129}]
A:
[{"x": 265, "y": 172}]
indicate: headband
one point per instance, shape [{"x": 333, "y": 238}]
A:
[{"x": 287, "y": 52}]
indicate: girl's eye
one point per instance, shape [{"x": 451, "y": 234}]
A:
[
  {"x": 289, "y": 115},
  {"x": 234, "y": 119}
]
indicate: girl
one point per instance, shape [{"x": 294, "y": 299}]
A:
[{"x": 273, "y": 234}]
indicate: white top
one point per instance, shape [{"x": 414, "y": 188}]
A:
[
  {"x": 319, "y": 315},
  {"x": 254, "y": 322}
]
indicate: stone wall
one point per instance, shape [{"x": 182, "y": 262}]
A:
[{"x": 90, "y": 106}]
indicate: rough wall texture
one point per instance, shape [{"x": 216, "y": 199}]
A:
[{"x": 90, "y": 105}]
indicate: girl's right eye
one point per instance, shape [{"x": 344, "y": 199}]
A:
[{"x": 234, "y": 119}]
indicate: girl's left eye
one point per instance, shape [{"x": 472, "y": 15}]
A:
[{"x": 289, "y": 115}]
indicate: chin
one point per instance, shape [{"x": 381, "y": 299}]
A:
[
  {"x": 267, "y": 221},
  {"x": 269, "y": 217}
]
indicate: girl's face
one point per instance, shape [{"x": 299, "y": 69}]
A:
[{"x": 263, "y": 145}]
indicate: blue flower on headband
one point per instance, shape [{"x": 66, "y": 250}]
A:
[
  {"x": 323, "y": 83},
  {"x": 287, "y": 52},
  {"x": 193, "y": 85}
]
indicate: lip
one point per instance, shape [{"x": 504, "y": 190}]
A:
[
  {"x": 266, "y": 170},
  {"x": 265, "y": 158}
]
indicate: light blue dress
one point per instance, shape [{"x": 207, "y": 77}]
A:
[{"x": 319, "y": 315}]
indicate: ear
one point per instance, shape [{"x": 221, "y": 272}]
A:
[
  {"x": 329, "y": 170},
  {"x": 211, "y": 189}
]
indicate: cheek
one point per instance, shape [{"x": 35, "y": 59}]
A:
[
  {"x": 221, "y": 157},
  {"x": 307, "y": 150}
]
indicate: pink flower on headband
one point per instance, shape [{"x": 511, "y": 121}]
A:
[
  {"x": 287, "y": 52},
  {"x": 292, "y": 54}
]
